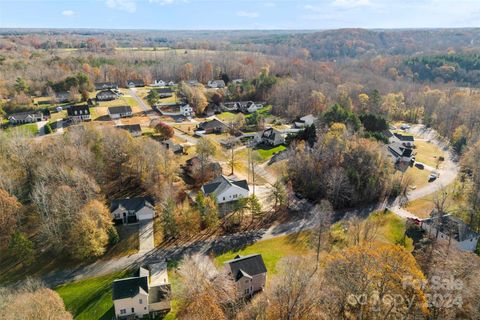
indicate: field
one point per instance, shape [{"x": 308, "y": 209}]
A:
[{"x": 90, "y": 299}]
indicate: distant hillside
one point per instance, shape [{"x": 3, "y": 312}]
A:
[{"x": 351, "y": 43}]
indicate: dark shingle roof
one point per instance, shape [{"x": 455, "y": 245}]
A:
[
  {"x": 132, "y": 128},
  {"x": 23, "y": 115},
  {"x": 402, "y": 137},
  {"x": 250, "y": 265},
  {"x": 221, "y": 183},
  {"x": 215, "y": 123},
  {"x": 132, "y": 204},
  {"x": 105, "y": 85},
  {"x": 80, "y": 110},
  {"x": 119, "y": 109},
  {"x": 129, "y": 287}
]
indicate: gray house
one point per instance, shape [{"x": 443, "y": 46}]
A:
[
  {"x": 249, "y": 273},
  {"x": 120, "y": 112},
  {"x": 106, "y": 95},
  {"x": 25, "y": 117},
  {"x": 105, "y": 85},
  {"x": 272, "y": 137},
  {"x": 134, "y": 129},
  {"x": 132, "y": 210}
]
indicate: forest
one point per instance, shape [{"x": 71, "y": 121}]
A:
[{"x": 55, "y": 190}]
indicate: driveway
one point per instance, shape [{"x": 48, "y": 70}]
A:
[
  {"x": 145, "y": 235},
  {"x": 41, "y": 127},
  {"x": 133, "y": 93}
]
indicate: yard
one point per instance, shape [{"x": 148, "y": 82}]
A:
[
  {"x": 428, "y": 153},
  {"x": 272, "y": 250},
  {"x": 266, "y": 154},
  {"x": 128, "y": 243},
  {"x": 90, "y": 299},
  {"x": 456, "y": 201}
]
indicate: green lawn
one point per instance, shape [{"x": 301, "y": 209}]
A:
[
  {"x": 266, "y": 154},
  {"x": 392, "y": 229},
  {"x": 90, "y": 299},
  {"x": 272, "y": 250},
  {"x": 227, "y": 116},
  {"x": 31, "y": 128}
]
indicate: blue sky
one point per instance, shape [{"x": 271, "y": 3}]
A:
[{"x": 239, "y": 14}]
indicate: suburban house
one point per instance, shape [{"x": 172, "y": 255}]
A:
[
  {"x": 106, "y": 95},
  {"x": 134, "y": 129},
  {"x": 249, "y": 273},
  {"x": 406, "y": 141},
  {"x": 166, "y": 92},
  {"x": 237, "y": 81},
  {"x": 105, "y": 85},
  {"x": 172, "y": 146},
  {"x": 216, "y": 84},
  {"x": 146, "y": 294},
  {"x": 135, "y": 83},
  {"x": 132, "y": 209},
  {"x": 158, "y": 83},
  {"x": 79, "y": 113},
  {"x": 249, "y": 106},
  {"x": 171, "y": 84},
  {"x": 272, "y": 137},
  {"x": 175, "y": 109},
  {"x": 402, "y": 155},
  {"x": 119, "y": 112},
  {"x": 305, "y": 121},
  {"x": 25, "y": 117},
  {"x": 226, "y": 190},
  {"x": 229, "y": 106},
  {"x": 450, "y": 228},
  {"x": 212, "y": 126}
]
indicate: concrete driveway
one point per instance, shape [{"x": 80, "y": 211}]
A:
[{"x": 145, "y": 234}]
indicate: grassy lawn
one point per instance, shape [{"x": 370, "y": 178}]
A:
[
  {"x": 30, "y": 128},
  {"x": 456, "y": 200},
  {"x": 227, "y": 116},
  {"x": 392, "y": 229},
  {"x": 427, "y": 153},
  {"x": 90, "y": 299},
  {"x": 272, "y": 250},
  {"x": 266, "y": 154},
  {"x": 419, "y": 177}
]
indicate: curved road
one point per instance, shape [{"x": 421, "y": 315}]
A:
[{"x": 448, "y": 173}]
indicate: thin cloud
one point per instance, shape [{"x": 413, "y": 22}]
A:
[
  {"x": 351, "y": 3},
  {"x": 123, "y": 5},
  {"x": 68, "y": 13},
  {"x": 167, "y": 2},
  {"x": 270, "y": 4},
  {"x": 248, "y": 14}
]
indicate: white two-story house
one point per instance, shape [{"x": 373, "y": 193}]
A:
[{"x": 226, "y": 190}]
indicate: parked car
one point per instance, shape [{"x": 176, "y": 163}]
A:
[
  {"x": 433, "y": 176},
  {"x": 419, "y": 165}
]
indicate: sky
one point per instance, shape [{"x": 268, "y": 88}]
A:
[{"x": 238, "y": 14}]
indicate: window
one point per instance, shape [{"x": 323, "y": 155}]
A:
[
  {"x": 123, "y": 311},
  {"x": 144, "y": 308},
  {"x": 140, "y": 301},
  {"x": 133, "y": 310},
  {"x": 246, "y": 291},
  {"x": 223, "y": 198}
]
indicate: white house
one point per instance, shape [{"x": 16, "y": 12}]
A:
[
  {"x": 132, "y": 210},
  {"x": 452, "y": 229},
  {"x": 305, "y": 121},
  {"x": 216, "y": 84},
  {"x": 79, "y": 113},
  {"x": 174, "y": 109},
  {"x": 249, "y": 273},
  {"x": 120, "y": 112},
  {"x": 147, "y": 293},
  {"x": 158, "y": 83},
  {"x": 226, "y": 190}
]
